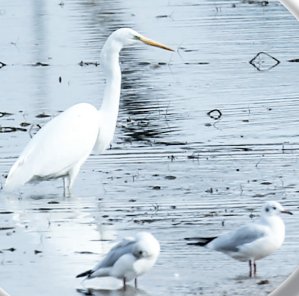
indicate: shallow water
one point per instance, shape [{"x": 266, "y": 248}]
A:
[{"x": 173, "y": 169}]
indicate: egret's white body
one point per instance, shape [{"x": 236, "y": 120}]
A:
[
  {"x": 252, "y": 241},
  {"x": 130, "y": 258},
  {"x": 60, "y": 148}
]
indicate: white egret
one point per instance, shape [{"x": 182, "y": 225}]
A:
[
  {"x": 130, "y": 258},
  {"x": 253, "y": 241},
  {"x": 60, "y": 148}
]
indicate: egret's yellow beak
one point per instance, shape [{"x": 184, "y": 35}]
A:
[{"x": 153, "y": 43}]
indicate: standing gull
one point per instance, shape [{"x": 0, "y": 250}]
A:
[
  {"x": 60, "y": 148},
  {"x": 130, "y": 258},
  {"x": 252, "y": 241}
]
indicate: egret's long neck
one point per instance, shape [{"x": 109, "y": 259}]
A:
[{"x": 111, "y": 68}]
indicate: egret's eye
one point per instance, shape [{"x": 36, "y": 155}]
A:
[
  {"x": 274, "y": 208},
  {"x": 267, "y": 209},
  {"x": 140, "y": 252}
]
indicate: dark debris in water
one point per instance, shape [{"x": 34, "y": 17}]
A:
[
  {"x": 40, "y": 64},
  {"x": 162, "y": 16},
  {"x": 197, "y": 63},
  {"x": 11, "y": 129},
  {"x": 294, "y": 61},
  {"x": 193, "y": 156},
  {"x": 263, "y": 282},
  {"x": 9, "y": 250},
  {"x": 3, "y": 114},
  {"x": 82, "y": 63},
  {"x": 53, "y": 202},
  {"x": 172, "y": 143},
  {"x": 156, "y": 187},
  {"x": 170, "y": 177},
  {"x": 2, "y": 65},
  {"x": 6, "y": 228},
  {"x": 263, "y": 61},
  {"x": 266, "y": 183},
  {"x": 85, "y": 252},
  {"x": 24, "y": 124},
  {"x": 258, "y": 2},
  {"x": 6, "y": 212},
  {"x": 143, "y": 221},
  {"x": 42, "y": 115},
  {"x": 215, "y": 114}
]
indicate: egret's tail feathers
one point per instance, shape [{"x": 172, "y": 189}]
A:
[
  {"x": 17, "y": 177},
  {"x": 200, "y": 241},
  {"x": 85, "y": 273}
]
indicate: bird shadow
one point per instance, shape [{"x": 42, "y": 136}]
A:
[
  {"x": 128, "y": 291},
  {"x": 246, "y": 277}
]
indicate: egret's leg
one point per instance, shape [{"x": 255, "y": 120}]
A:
[
  {"x": 124, "y": 283},
  {"x": 66, "y": 186},
  {"x": 73, "y": 173},
  {"x": 135, "y": 282}
]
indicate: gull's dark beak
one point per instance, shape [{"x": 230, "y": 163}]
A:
[{"x": 286, "y": 212}]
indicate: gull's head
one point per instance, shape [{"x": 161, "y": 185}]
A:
[
  {"x": 272, "y": 208},
  {"x": 125, "y": 36},
  {"x": 147, "y": 246}
]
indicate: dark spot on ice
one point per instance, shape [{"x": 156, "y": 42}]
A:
[{"x": 37, "y": 252}]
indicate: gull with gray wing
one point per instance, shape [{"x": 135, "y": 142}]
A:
[
  {"x": 130, "y": 258},
  {"x": 253, "y": 241}
]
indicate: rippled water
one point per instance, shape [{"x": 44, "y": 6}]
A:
[{"x": 173, "y": 169}]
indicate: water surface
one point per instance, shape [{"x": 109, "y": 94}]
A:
[{"x": 173, "y": 169}]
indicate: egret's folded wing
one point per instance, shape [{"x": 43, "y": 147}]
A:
[{"x": 58, "y": 146}]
